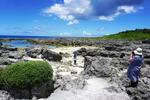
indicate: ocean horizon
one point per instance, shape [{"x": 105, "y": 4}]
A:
[
  {"x": 22, "y": 37},
  {"x": 34, "y": 37}
]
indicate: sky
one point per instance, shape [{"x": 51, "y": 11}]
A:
[{"x": 72, "y": 17}]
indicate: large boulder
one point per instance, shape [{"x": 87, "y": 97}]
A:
[
  {"x": 101, "y": 52},
  {"x": 50, "y": 55},
  {"x": 98, "y": 66},
  {"x": 33, "y": 52},
  {"x": 82, "y": 51},
  {"x": 89, "y": 52},
  {"x": 120, "y": 63}
]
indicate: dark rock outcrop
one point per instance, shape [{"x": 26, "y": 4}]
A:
[
  {"x": 1, "y": 44},
  {"x": 33, "y": 52},
  {"x": 147, "y": 61},
  {"x": 147, "y": 41},
  {"x": 50, "y": 55},
  {"x": 42, "y": 91},
  {"x": 45, "y": 53},
  {"x": 10, "y": 48},
  {"x": 101, "y": 52},
  {"x": 114, "y": 48}
]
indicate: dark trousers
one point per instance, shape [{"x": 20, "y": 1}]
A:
[
  {"x": 134, "y": 84},
  {"x": 75, "y": 61}
]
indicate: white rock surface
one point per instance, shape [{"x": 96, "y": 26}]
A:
[{"x": 95, "y": 88}]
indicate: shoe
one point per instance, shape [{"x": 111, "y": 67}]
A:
[{"x": 134, "y": 84}]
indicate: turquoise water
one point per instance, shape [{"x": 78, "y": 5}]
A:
[{"x": 24, "y": 44}]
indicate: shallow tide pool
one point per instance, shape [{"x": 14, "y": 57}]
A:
[{"x": 24, "y": 44}]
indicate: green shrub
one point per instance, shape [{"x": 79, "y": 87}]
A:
[
  {"x": 1, "y": 80},
  {"x": 27, "y": 74}
]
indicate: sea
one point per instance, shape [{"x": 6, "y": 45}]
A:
[
  {"x": 27, "y": 37},
  {"x": 18, "y": 42}
]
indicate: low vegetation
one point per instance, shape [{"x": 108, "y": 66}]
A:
[
  {"x": 25, "y": 74},
  {"x": 132, "y": 35},
  {"x": 1, "y": 81}
]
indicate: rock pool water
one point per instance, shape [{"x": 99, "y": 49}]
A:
[{"x": 23, "y": 44}]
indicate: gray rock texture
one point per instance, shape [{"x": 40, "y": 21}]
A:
[
  {"x": 98, "y": 66},
  {"x": 50, "y": 55}
]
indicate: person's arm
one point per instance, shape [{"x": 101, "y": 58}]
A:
[{"x": 131, "y": 57}]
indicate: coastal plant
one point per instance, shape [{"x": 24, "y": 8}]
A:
[
  {"x": 1, "y": 80},
  {"x": 25, "y": 75}
]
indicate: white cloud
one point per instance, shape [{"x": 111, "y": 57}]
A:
[
  {"x": 74, "y": 10},
  {"x": 67, "y": 1},
  {"x": 109, "y": 18},
  {"x": 65, "y": 34},
  {"x": 119, "y": 11},
  {"x": 69, "y": 10},
  {"x": 106, "y": 18},
  {"x": 85, "y": 33},
  {"x": 73, "y": 22},
  {"x": 127, "y": 9}
]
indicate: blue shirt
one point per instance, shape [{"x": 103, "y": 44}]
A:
[{"x": 134, "y": 68}]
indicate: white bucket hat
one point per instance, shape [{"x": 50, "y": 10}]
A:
[{"x": 138, "y": 51}]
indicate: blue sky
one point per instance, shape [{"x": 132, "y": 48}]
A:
[{"x": 72, "y": 17}]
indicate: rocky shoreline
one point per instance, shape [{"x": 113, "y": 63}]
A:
[
  {"x": 101, "y": 71},
  {"x": 83, "y": 42}
]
